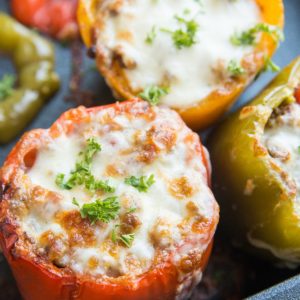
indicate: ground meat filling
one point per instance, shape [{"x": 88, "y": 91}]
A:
[{"x": 282, "y": 139}]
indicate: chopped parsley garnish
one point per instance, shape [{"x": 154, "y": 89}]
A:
[
  {"x": 235, "y": 69},
  {"x": 82, "y": 174},
  {"x": 75, "y": 202},
  {"x": 142, "y": 183},
  {"x": 299, "y": 149},
  {"x": 126, "y": 239},
  {"x": 100, "y": 210},
  {"x": 93, "y": 185},
  {"x": 131, "y": 210},
  {"x": 87, "y": 155},
  {"x": 186, "y": 35},
  {"x": 270, "y": 66},
  {"x": 151, "y": 35},
  {"x": 153, "y": 93},
  {"x": 6, "y": 86},
  {"x": 114, "y": 236},
  {"x": 248, "y": 37},
  {"x": 59, "y": 181},
  {"x": 186, "y": 11}
]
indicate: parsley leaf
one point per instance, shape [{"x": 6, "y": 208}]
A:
[
  {"x": 114, "y": 237},
  {"x": 105, "y": 210},
  {"x": 151, "y": 36},
  {"x": 186, "y": 36},
  {"x": 153, "y": 93},
  {"x": 126, "y": 239},
  {"x": 131, "y": 210},
  {"x": 248, "y": 37},
  {"x": 270, "y": 66},
  {"x": 59, "y": 181},
  {"x": 6, "y": 86},
  {"x": 93, "y": 185},
  {"x": 82, "y": 173},
  {"x": 274, "y": 31},
  {"x": 235, "y": 69},
  {"x": 87, "y": 155},
  {"x": 75, "y": 202},
  {"x": 142, "y": 184}
]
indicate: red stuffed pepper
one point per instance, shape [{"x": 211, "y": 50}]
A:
[
  {"x": 54, "y": 17},
  {"x": 109, "y": 203}
]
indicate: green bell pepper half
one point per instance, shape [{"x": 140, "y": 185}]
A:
[{"x": 258, "y": 204}]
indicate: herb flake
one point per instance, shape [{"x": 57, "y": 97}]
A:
[
  {"x": 6, "y": 86},
  {"x": 270, "y": 66},
  {"x": 75, "y": 202},
  {"x": 105, "y": 210},
  {"x": 151, "y": 35},
  {"x": 185, "y": 36},
  {"x": 126, "y": 239},
  {"x": 142, "y": 184},
  {"x": 152, "y": 94},
  {"x": 248, "y": 37},
  {"x": 131, "y": 210},
  {"x": 82, "y": 173},
  {"x": 235, "y": 69}
]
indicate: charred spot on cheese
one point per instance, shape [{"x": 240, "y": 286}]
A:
[
  {"x": 282, "y": 140},
  {"x": 188, "y": 262},
  {"x": 54, "y": 246},
  {"x": 181, "y": 188},
  {"x": 123, "y": 231},
  {"x": 176, "y": 44},
  {"x": 129, "y": 222}
]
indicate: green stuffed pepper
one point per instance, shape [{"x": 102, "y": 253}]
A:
[
  {"x": 33, "y": 58},
  {"x": 256, "y": 164}
]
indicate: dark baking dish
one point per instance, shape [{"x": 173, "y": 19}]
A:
[{"x": 230, "y": 274}]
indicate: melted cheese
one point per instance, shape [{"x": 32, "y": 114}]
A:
[
  {"x": 290, "y": 257},
  {"x": 190, "y": 72},
  {"x": 165, "y": 219},
  {"x": 283, "y": 140}
]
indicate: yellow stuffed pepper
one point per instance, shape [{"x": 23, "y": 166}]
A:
[{"x": 193, "y": 56}]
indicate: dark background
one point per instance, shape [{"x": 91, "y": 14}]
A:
[{"x": 230, "y": 274}]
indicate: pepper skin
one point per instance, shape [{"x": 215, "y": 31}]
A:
[
  {"x": 211, "y": 108},
  {"x": 37, "y": 278},
  {"x": 56, "y": 18},
  {"x": 257, "y": 202},
  {"x": 33, "y": 58}
]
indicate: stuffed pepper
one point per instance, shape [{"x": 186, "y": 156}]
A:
[
  {"x": 256, "y": 160},
  {"x": 109, "y": 203},
  {"x": 56, "y": 18},
  {"x": 33, "y": 58},
  {"x": 193, "y": 56}
]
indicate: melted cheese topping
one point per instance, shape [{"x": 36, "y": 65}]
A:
[
  {"x": 152, "y": 141},
  {"x": 282, "y": 140},
  {"x": 290, "y": 258},
  {"x": 191, "y": 73}
]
